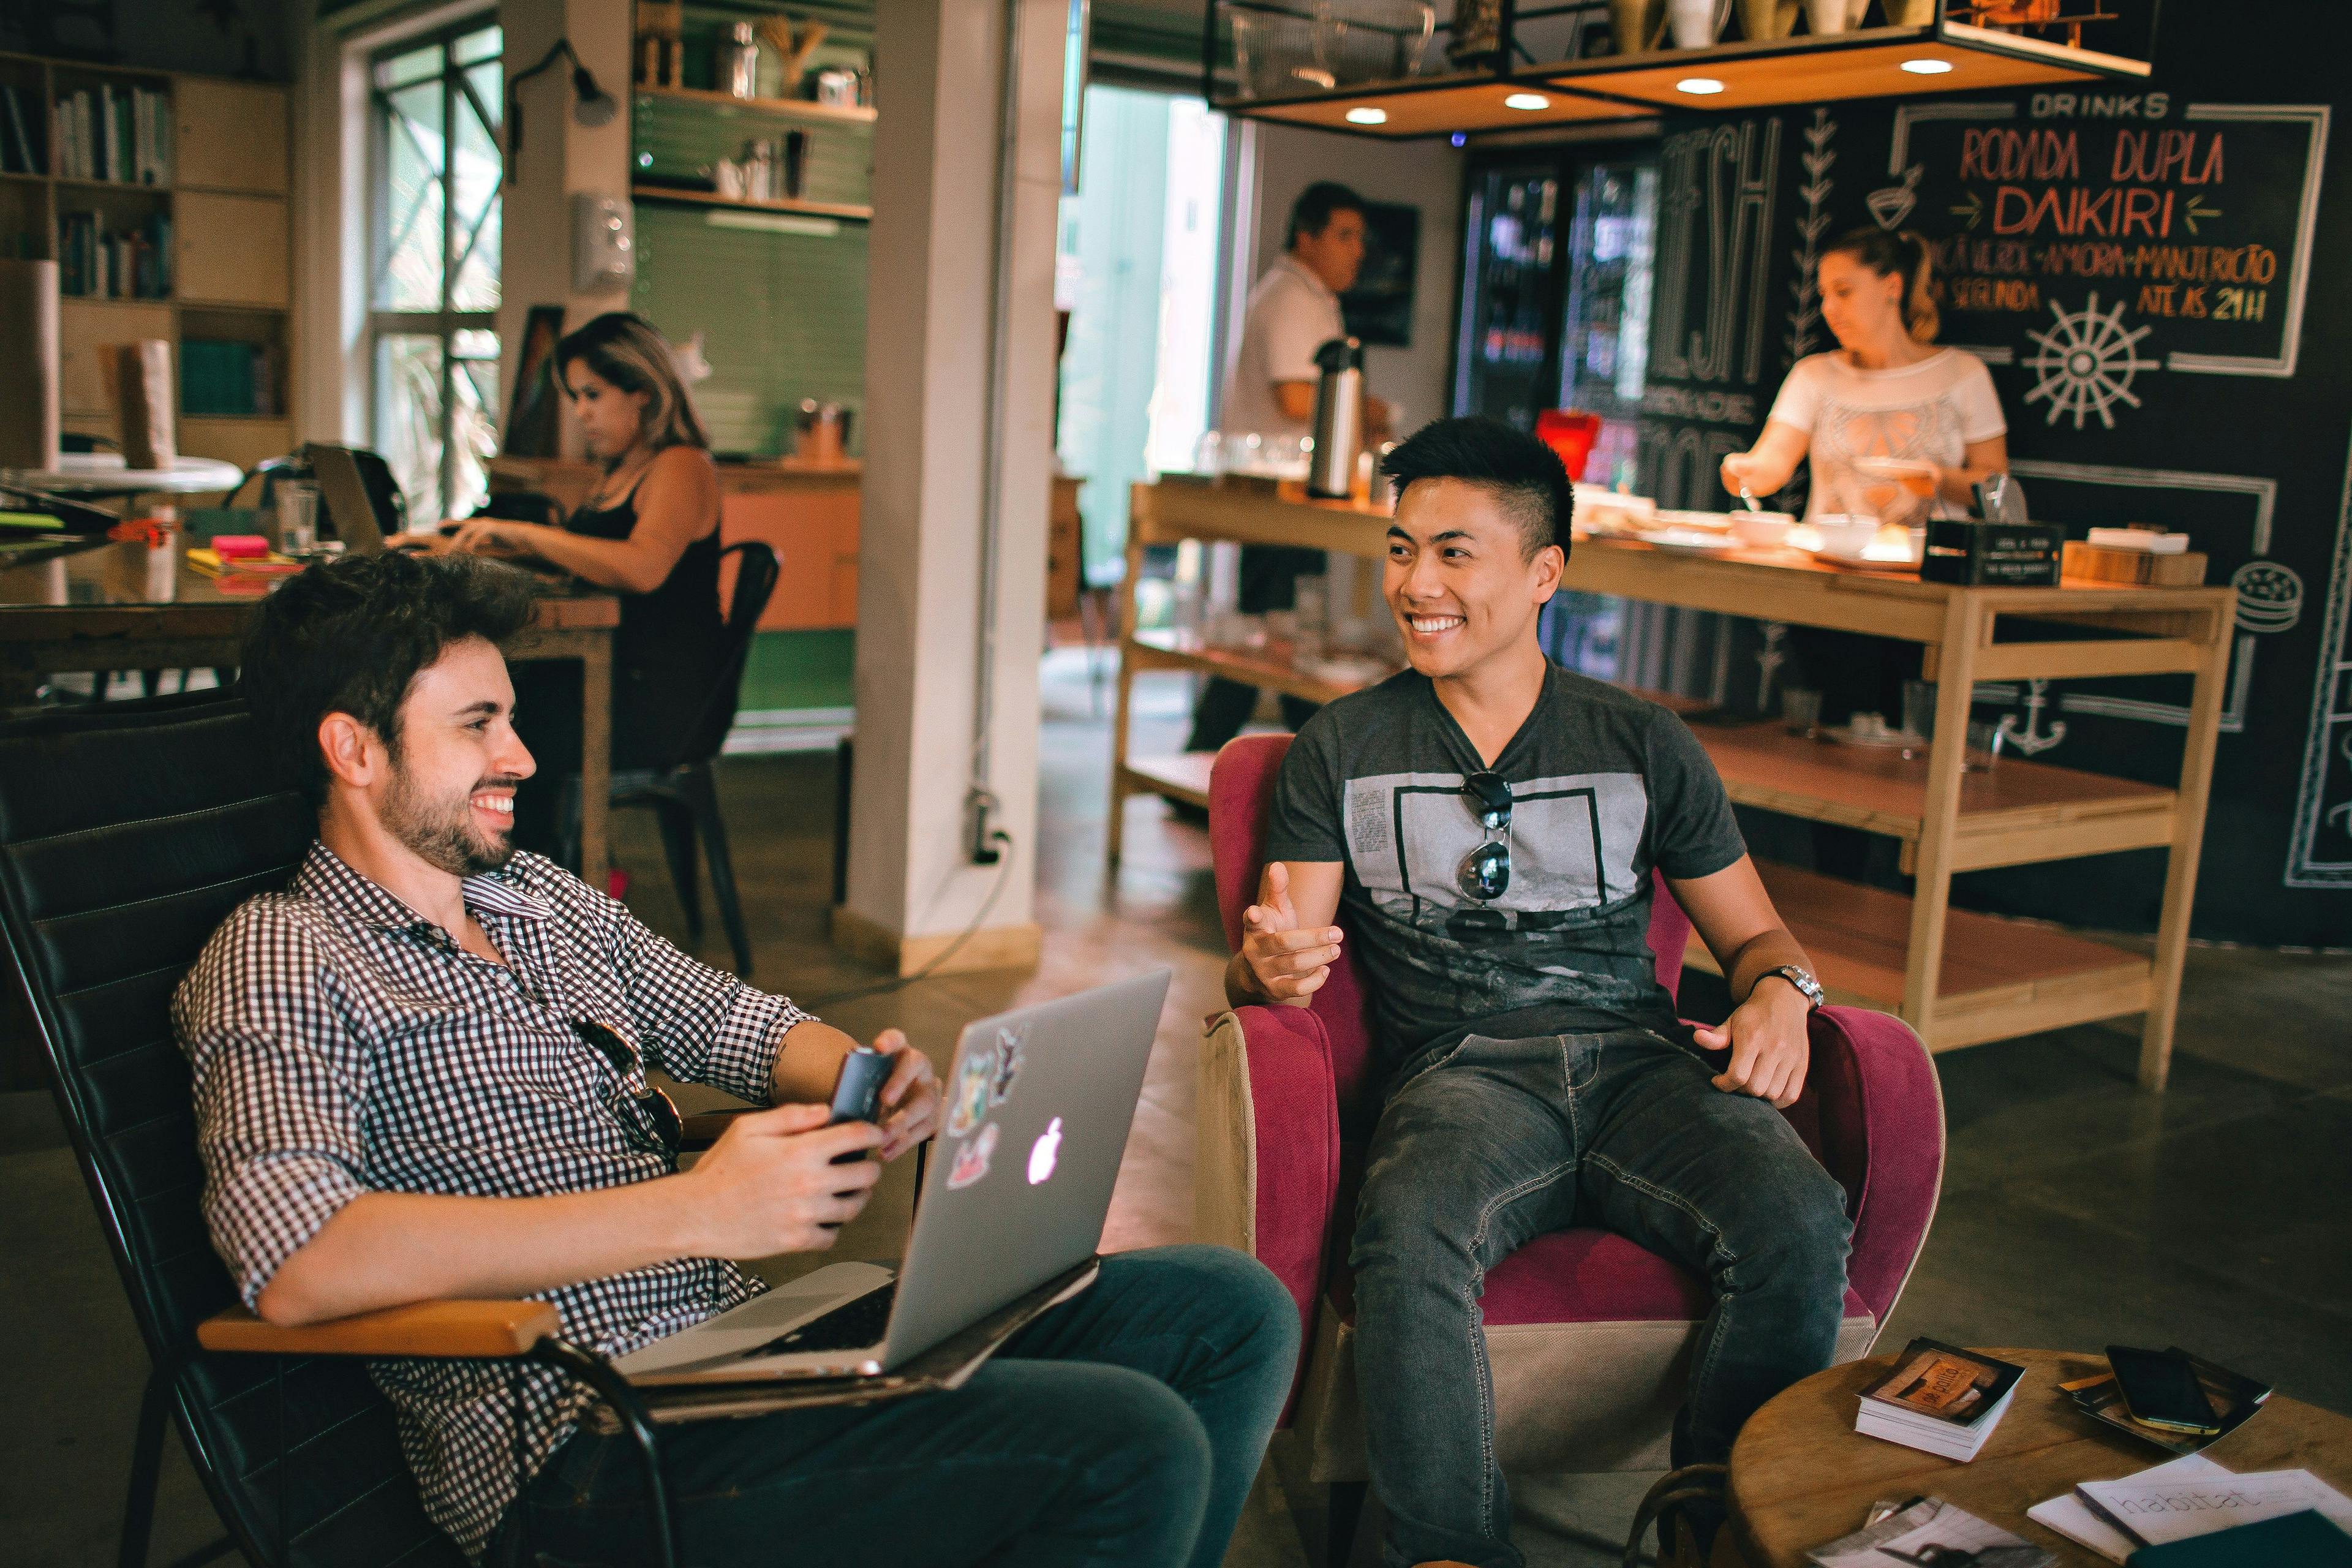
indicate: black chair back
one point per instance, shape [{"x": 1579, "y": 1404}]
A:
[
  {"x": 127, "y": 834},
  {"x": 756, "y": 569}
]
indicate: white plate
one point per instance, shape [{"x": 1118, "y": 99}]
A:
[{"x": 1688, "y": 540}]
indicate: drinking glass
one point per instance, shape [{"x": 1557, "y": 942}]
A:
[
  {"x": 298, "y": 518},
  {"x": 1801, "y": 710},
  {"x": 1919, "y": 709}
]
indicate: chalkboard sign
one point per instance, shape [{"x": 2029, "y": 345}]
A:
[
  {"x": 2106, "y": 236},
  {"x": 2135, "y": 266}
]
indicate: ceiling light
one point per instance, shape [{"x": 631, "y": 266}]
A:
[
  {"x": 1368, "y": 117},
  {"x": 1526, "y": 101},
  {"x": 1700, "y": 85},
  {"x": 1927, "y": 67}
]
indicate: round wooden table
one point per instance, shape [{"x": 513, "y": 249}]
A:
[{"x": 1801, "y": 1476}]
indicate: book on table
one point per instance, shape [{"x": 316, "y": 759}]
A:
[
  {"x": 2307, "y": 1540},
  {"x": 2184, "y": 1500},
  {"x": 1940, "y": 1399}
]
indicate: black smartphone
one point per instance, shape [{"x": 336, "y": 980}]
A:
[
  {"x": 857, "y": 1093},
  {"x": 2161, "y": 1389}
]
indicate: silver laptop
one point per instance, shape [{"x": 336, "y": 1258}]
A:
[
  {"x": 345, "y": 493},
  {"x": 1038, "y": 1106}
]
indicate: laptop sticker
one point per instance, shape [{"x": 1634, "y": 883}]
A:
[
  {"x": 970, "y": 1107},
  {"x": 971, "y": 1160},
  {"x": 1044, "y": 1151},
  {"x": 1008, "y": 1063}
]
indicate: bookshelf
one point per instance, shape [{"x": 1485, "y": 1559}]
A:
[{"x": 169, "y": 222}]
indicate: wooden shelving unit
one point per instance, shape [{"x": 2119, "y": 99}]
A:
[
  {"x": 777, "y": 108},
  {"x": 846, "y": 211},
  {"x": 1958, "y": 978},
  {"x": 231, "y": 258}
]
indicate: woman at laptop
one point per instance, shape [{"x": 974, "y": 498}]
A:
[{"x": 650, "y": 529}]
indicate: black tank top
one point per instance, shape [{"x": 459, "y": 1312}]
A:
[{"x": 669, "y": 645}]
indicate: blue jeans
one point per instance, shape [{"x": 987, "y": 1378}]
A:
[
  {"x": 1498, "y": 1142},
  {"x": 1124, "y": 1426}
]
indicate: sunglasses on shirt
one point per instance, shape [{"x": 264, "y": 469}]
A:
[
  {"x": 1485, "y": 873},
  {"x": 652, "y": 1119}
]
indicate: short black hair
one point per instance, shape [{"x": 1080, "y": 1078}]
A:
[
  {"x": 1311, "y": 212},
  {"x": 350, "y": 636},
  {"x": 1524, "y": 474}
]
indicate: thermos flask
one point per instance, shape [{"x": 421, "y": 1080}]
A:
[{"x": 1339, "y": 419}]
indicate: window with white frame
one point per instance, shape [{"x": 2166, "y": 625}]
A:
[{"x": 434, "y": 167}]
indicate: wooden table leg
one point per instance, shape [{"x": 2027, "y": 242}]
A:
[
  {"x": 1923, "y": 962},
  {"x": 1136, "y": 524},
  {"x": 2180, "y": 868},
  {"x": 595, "y": 755}
]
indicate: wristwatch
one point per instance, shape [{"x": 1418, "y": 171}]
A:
[{"x": 1796, "y": 977}]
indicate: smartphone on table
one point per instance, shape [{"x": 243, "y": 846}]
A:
[{"x": 2161, "y": 1390}]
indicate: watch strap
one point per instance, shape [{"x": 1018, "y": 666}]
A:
[{"x": 1807, "y": 986}]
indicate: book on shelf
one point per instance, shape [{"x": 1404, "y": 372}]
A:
[
  {"x": 99, "y": 260},
  {"x": 18, "y": 155},
  {"x": 119, "y": 134},
  {"x": 229, "y": 378},
  {"x": 1940, "y": 1399}
]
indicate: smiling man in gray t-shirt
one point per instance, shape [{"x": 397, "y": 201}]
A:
[{"x": 1486, "y": 827}]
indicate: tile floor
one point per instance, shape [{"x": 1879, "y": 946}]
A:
[{"x": 2077, "y": 1210}]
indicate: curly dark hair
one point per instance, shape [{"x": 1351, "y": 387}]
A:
[
  {"x": 350, "y": 637},
  {"x": 1521, "y": 472}
]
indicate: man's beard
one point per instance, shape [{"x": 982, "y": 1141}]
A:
[{"x": 443, "y": 832}]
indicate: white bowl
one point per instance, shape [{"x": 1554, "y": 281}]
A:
[
  {"x": 1845, "y": 533},
  {"x": 1762, "y": 530}
]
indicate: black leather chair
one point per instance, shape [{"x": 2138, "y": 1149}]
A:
[
  {"x": 127, "y": 833},
  {"x": 683, "y": 795}
]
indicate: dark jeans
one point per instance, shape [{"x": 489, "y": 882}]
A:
[
  {"x": 1501, "y": 1140},
  {"x": 1124, "y": 1426}
]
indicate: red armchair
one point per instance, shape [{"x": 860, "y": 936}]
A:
[{"x": 1587, "y": 1335}]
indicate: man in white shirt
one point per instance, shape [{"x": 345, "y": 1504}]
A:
[{"x": 1270, "y": 391}]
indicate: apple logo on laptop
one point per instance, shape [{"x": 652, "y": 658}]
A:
[{"x": 1044, "y": 1151}]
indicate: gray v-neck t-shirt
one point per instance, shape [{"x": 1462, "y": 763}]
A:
[{"x": 1605, "y": 787}]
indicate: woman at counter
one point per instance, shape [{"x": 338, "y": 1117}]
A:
[
  {"x": 1888, "y": 407},
  {"x": 649, "y": 530}
]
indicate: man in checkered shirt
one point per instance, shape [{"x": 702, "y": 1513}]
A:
[{"x": 420, "y": 1072}]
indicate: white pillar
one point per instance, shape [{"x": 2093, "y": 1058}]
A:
[
  {"x": 559, "y": 157},
  {"x": 940, "y": 72}
]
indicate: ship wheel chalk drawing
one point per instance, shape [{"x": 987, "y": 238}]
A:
[{"x": 2086, "y": 363}]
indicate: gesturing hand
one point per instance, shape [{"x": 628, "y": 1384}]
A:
[
  {"x": 1768, "y": 1044},
  {"x": 912, "y": 1096},
  {"x": 769, "y": 1185},
  {"x": 1286, "y": 964}
]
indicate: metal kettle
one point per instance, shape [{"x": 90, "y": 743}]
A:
[{"x": 1339, "y": 419}]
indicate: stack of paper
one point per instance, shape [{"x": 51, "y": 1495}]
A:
[
  {"x": 2188, "y": 1498},
  {"x": 1940, "y": 1399}
]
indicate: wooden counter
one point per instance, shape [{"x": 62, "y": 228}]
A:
[{"x": 1959, "y": 978}]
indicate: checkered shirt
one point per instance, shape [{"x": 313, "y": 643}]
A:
[{"x": 343, "y": 1044}]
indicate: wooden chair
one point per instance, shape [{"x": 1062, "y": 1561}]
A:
[{"x": 127, "y": 834}]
